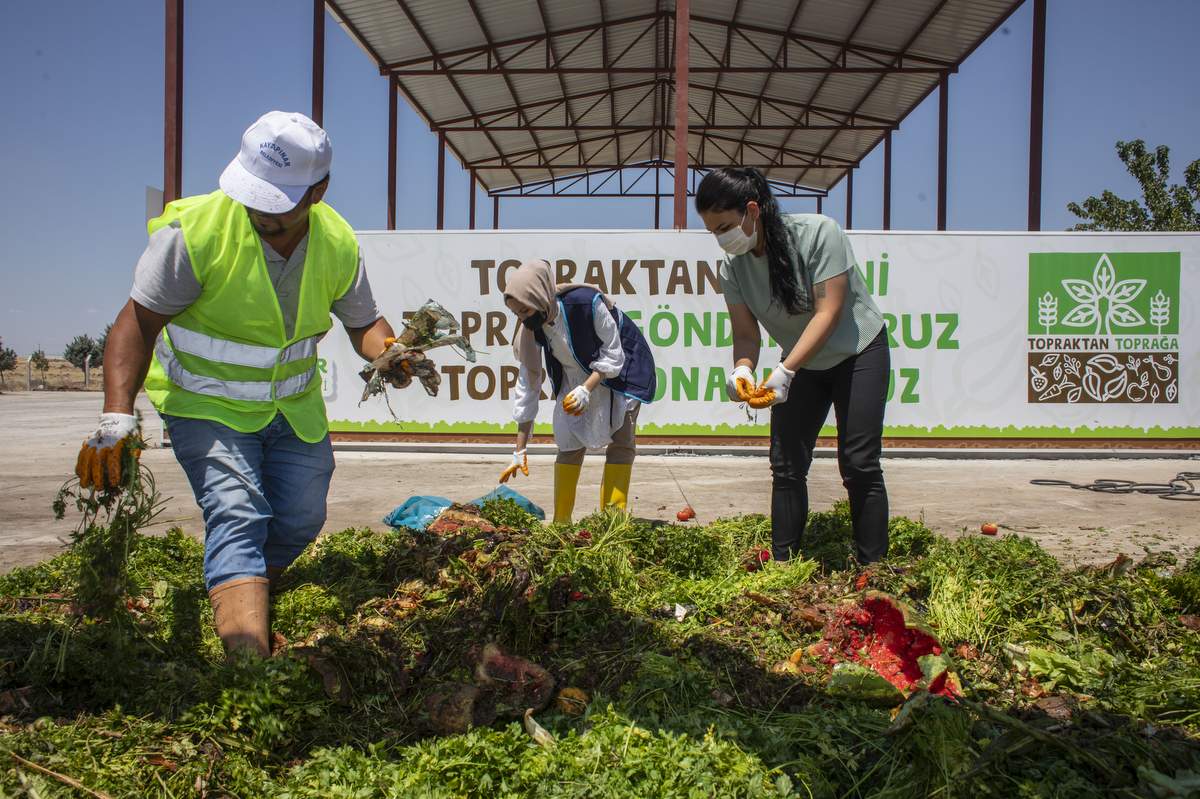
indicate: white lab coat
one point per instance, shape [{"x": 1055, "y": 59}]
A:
[{"x": 606, "y": 409}]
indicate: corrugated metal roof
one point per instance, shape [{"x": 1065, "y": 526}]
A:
[{"x": 803, "y": 88}]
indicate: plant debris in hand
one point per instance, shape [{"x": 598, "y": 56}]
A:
[
  {"x": 114, "y": 502},
  {"x": 430, "y": 326}
]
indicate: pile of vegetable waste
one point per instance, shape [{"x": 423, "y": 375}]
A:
[{"x": 613, "y": 657}]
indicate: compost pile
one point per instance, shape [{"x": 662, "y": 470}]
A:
[{"x": 497, "y": 657}]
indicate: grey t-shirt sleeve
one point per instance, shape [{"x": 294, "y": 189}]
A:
[
  {"x": 729, "y": 284},
  {"x": 163, "y": 280},
  {"x": 830, "y": 254},
  {"x": 357, "y": 308}
]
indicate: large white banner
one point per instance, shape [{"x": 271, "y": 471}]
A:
[{"x": 992, "y": 334}]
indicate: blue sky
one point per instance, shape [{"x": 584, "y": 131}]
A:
[{"x": 81, "y": 88}]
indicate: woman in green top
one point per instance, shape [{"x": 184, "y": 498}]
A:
[{"x": 795, "y": 275}]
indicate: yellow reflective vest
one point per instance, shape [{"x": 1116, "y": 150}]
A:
[{"x": 227, "y": 357}]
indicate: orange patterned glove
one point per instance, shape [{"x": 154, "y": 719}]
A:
[
  {"x": 774, "y": 389},
  {"x": 577, "y": 401},
  {"x": 98, "y": 465},
  {"x": 740, "y": 384},
  {"x": 520, "y": 463}
]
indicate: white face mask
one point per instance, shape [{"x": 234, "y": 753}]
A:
[{"x": 735, "y": 241}]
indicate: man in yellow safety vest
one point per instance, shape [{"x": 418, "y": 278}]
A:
[{"x": 229, "y": 300}]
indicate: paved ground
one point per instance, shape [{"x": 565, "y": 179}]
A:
[{"x": 41, "y": 435}]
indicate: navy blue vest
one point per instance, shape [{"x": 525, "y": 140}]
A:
[{"x": 637, "y": 378}]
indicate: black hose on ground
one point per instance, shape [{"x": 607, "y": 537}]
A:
[{"x": 1183, "y": 487}]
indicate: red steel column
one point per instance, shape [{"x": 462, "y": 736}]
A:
[
  {"x": 173, "y": 102},
  {"x": 943, "y": 134},
  {"x": 471, "y": 191},
  {"x": 441, "y": 179},
  {"x": 391, "y": 159},
  {"x": 887, "y": 180},
  {"x": 1037, "y": 88},
  {"x": 318, "y": 62},
  {"x": 682, "y": 12},
  {"x": 657, "y": 200},
  {"x": 849, "y": 198}
]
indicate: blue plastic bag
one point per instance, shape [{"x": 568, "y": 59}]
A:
[
  {"x": 504, "y": 492},
  {"x": 417, "y": 512}
]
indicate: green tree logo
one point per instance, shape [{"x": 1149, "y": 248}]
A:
[
  {"x": 1113, "y": 293},
  {"x": 1104, "y": 290}
]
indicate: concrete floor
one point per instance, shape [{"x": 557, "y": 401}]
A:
[{"x": 42, "y": 432}]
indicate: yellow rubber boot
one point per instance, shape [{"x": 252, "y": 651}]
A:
[
  {"x": 614, "y": 488},
  {"x": 566, "y": 478}
]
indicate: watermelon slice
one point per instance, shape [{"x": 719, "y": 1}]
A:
[{"x": 886, "y": 642}]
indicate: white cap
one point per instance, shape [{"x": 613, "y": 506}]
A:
[{"x": 282, "y": 154}]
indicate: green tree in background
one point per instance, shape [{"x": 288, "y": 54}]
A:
[
  {"x": 1165, "y": 207},
  {"x": 8, "y": 361},
  {"x": 39, "y": 361},
  {"x": 80, "y": 348}
]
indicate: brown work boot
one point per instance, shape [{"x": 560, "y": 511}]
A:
[
  {"x": 273, "y": 575},
  {"x": 241, "y": 614}
]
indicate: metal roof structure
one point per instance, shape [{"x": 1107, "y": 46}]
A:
[
  {"x": 566, "y": 97},
  {"x": 529, "y": 90}
]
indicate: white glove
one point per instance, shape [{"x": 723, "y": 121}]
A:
[
  {"x": 779, "y": 382},
  {"x": 113, "y": 427},
  {"x": 520, "y": 462},
  {"x": 740, "y": 383},
  {"x": 577, "y": 401}
]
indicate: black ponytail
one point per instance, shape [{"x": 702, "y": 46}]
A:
[{"x": 729, "y": 189}]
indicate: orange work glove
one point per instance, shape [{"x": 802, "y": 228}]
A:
[
  {"x": 98, "y": 465},
  {"x": 774, "y": 389},
  {"x": 739, "y": 386},
  {"x": 577, "y": 401},
  {"x": 520, "y": 463}
]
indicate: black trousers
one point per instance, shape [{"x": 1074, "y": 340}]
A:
[{"x": 857, "y": 389}]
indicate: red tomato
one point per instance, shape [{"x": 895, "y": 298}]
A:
[
  {"x": 757, "y": 559},
  {"x": 687, "y": 514},
  {"x": 989, "y": 528},
  {"x": 576, "y": 596}
]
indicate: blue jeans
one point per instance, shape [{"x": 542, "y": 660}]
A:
[{"x": 263, "y": 493}]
